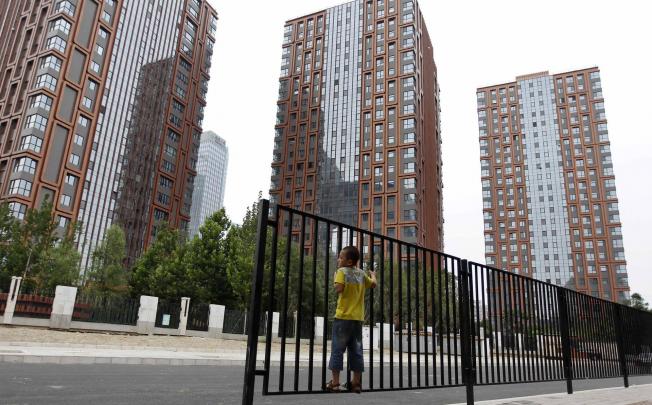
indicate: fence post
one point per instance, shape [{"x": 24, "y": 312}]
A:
[
  {"x": 62, "y": 307},
  {"x": 565, "y": 338},
  {"x": 255, "y": 305},
  {"x": 183, "y": 315},
  {"x": 275, "y": 320},
  {"x": 468, "y": 374},
  {"x": 215, "y": 319},
  {"x": 147, "y": 314},
  {"x": 618, "y": 323},
  {"x": 12, "y": 297}
]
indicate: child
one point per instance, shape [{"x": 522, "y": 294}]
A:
[{"x": 350, "y": 284}]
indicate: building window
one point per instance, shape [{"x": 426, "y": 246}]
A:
[
  {"x": 170, "y": 151},
  {"x": 408, "y": 137},
  {"x": 31, "y": 142},
  {"x": 100, "y": 50},
  {"x": 63, "y": 222},
  {"x": 74, "y": 159},
  {"x": 83, "y": 121},
  {"x": 64, "y": 6},
  {"x": 61, "y": 25},
  {"x": 46, "y": 81},
  {"x": 36, "y": 121},
  {"x": 51, "y": 62},
  {"x": 65, "y": 200},
  {"x": 102, "y": 33},
  {"x": 25, "y": 164},
  {"x": 409, "y": 123},
  {"x": 86, "y": 102},
  {"x": 163, "y": 199},
  {"x": 56, "y": 43},
  {"x": 17, "y": 210},
  {"x": 20, "y": 187},
  {"x": 79, "y": 140},
  {"x": 410, "y": 183},
  {"x": 106, "y": 17},
  {"x": 409, "y": 167},
  {"x": 95, "y": 67},
  {"x": 41, "y": 101},
  {"x": 71, "y": 180},
  {"x": 166, "y": 183}
]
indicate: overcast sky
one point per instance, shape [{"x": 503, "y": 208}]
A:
[{"x": 476, "y": 43}]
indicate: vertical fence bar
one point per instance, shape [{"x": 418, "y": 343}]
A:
[
  {"x": 465, "y": 330},
  {"x": 456, "y": 312},
  {"x": 270, "y": 308},
  {"x": 391, "y": 314},
  {"x": 371, "y": 314},
  {"x": 324, "y": 343},
  {"x": 424, "y": 272},
  {"x": 313, "y": 303},
  {"x": 416, "y": 311},
  {"x": 441, "y": 319},
  {"x": 409, "y": 313},
  {"x": 618, "y": 322},
  {"x": 284, "y": 313},
  {"x": 381, "y": 340},
  {"x": 255, "y": 304},
  {"x": 297, "y": 331},
  {"x": 400, "y": 314},
  {"x": 565, "y": 338},
  {"x": 433, "y": 322}
]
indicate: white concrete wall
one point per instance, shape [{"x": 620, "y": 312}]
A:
[
  {"x": 147, "y": 314},
  {"x": 215, "y": 319},
  {"x": 12, "y": 297},
  {"x": 62, "y": 307},
  {"x": 183, "y": 316}
]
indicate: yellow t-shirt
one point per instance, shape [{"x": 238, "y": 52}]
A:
[{"x": 350, "y": 303}]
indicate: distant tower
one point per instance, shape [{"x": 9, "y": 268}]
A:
[
  {"x": 210, "y": 182},
  {"x": 548, "y": 185}
]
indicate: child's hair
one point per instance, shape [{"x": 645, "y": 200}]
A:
[{"x": 351, "y": 253}]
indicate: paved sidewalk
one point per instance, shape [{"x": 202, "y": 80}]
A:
[{"x": 634, "y": 395}]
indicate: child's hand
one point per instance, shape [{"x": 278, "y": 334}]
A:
[{"x": 372, "y": 275}]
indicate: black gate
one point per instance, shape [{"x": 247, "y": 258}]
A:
[
  {"x": 451, "y": 322},
  {"x": 168, "y": 314}
]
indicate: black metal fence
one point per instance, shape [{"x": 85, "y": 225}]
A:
[
  {"x": 454, "y": 322},
  {"x": 168, "y": 314},
  {"x": 198, "y": 316},
  {"x": 120, "y": 310}
]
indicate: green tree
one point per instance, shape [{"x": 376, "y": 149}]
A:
[
  {"x": 59, "y": 264},
  {"x": 241, "y": 242},
  {"x": 159, "y": 271},
  {"x": 7, "y": 229},
  {"x": 637, "y": 301},
  {"x": 107, "y": 274},
  {"x": 206, "y": 261}
]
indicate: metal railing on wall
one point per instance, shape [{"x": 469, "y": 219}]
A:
[{"x": 451, "y": 322}]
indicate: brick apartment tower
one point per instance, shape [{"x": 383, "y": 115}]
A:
[
  {"x": 74, "y": 106},
  {"x": 357, "y": 134},
  {"x": 54, "y": 63},
  {"x": 549, "y": 193}
]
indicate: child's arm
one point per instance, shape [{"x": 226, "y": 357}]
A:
[{"x": 371, "y": 282}]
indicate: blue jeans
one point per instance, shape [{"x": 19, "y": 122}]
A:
[{"x": 347, "y": 336}]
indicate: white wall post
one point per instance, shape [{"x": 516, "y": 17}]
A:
[
  {"x": 12, "y": 297},
  {"x": 62, "y": 307},
  {"x": 215, "y": 319},
  {"x": 183, "y": 315},
  {"x": 319, "y": 326},
  {"x": 275, "y": 320},
  {"x": 147, "y": 314}
]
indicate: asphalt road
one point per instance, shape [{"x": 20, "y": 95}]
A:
[{"x": 137, "y": 384}]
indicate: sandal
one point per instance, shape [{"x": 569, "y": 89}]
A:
[
  {"x": 351, "y": 387},
  {"x": 330, "y": 387}
]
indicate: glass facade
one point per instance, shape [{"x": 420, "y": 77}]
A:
[{"x": 210, "y": 183}]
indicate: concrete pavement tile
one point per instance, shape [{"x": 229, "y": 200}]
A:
[
  {"x": 134, "y": 360},
  {"x": 13, "y": 359},
  {"x": 149, "y": 361},
  {"x": 162, "y": 362},
  {"x": 118, "y": 360},
  {"x": 103, "y": 360},
  {"x": 33, "y": 359}
]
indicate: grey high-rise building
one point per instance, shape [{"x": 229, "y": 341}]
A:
[{"x": 210, "y": 182}]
